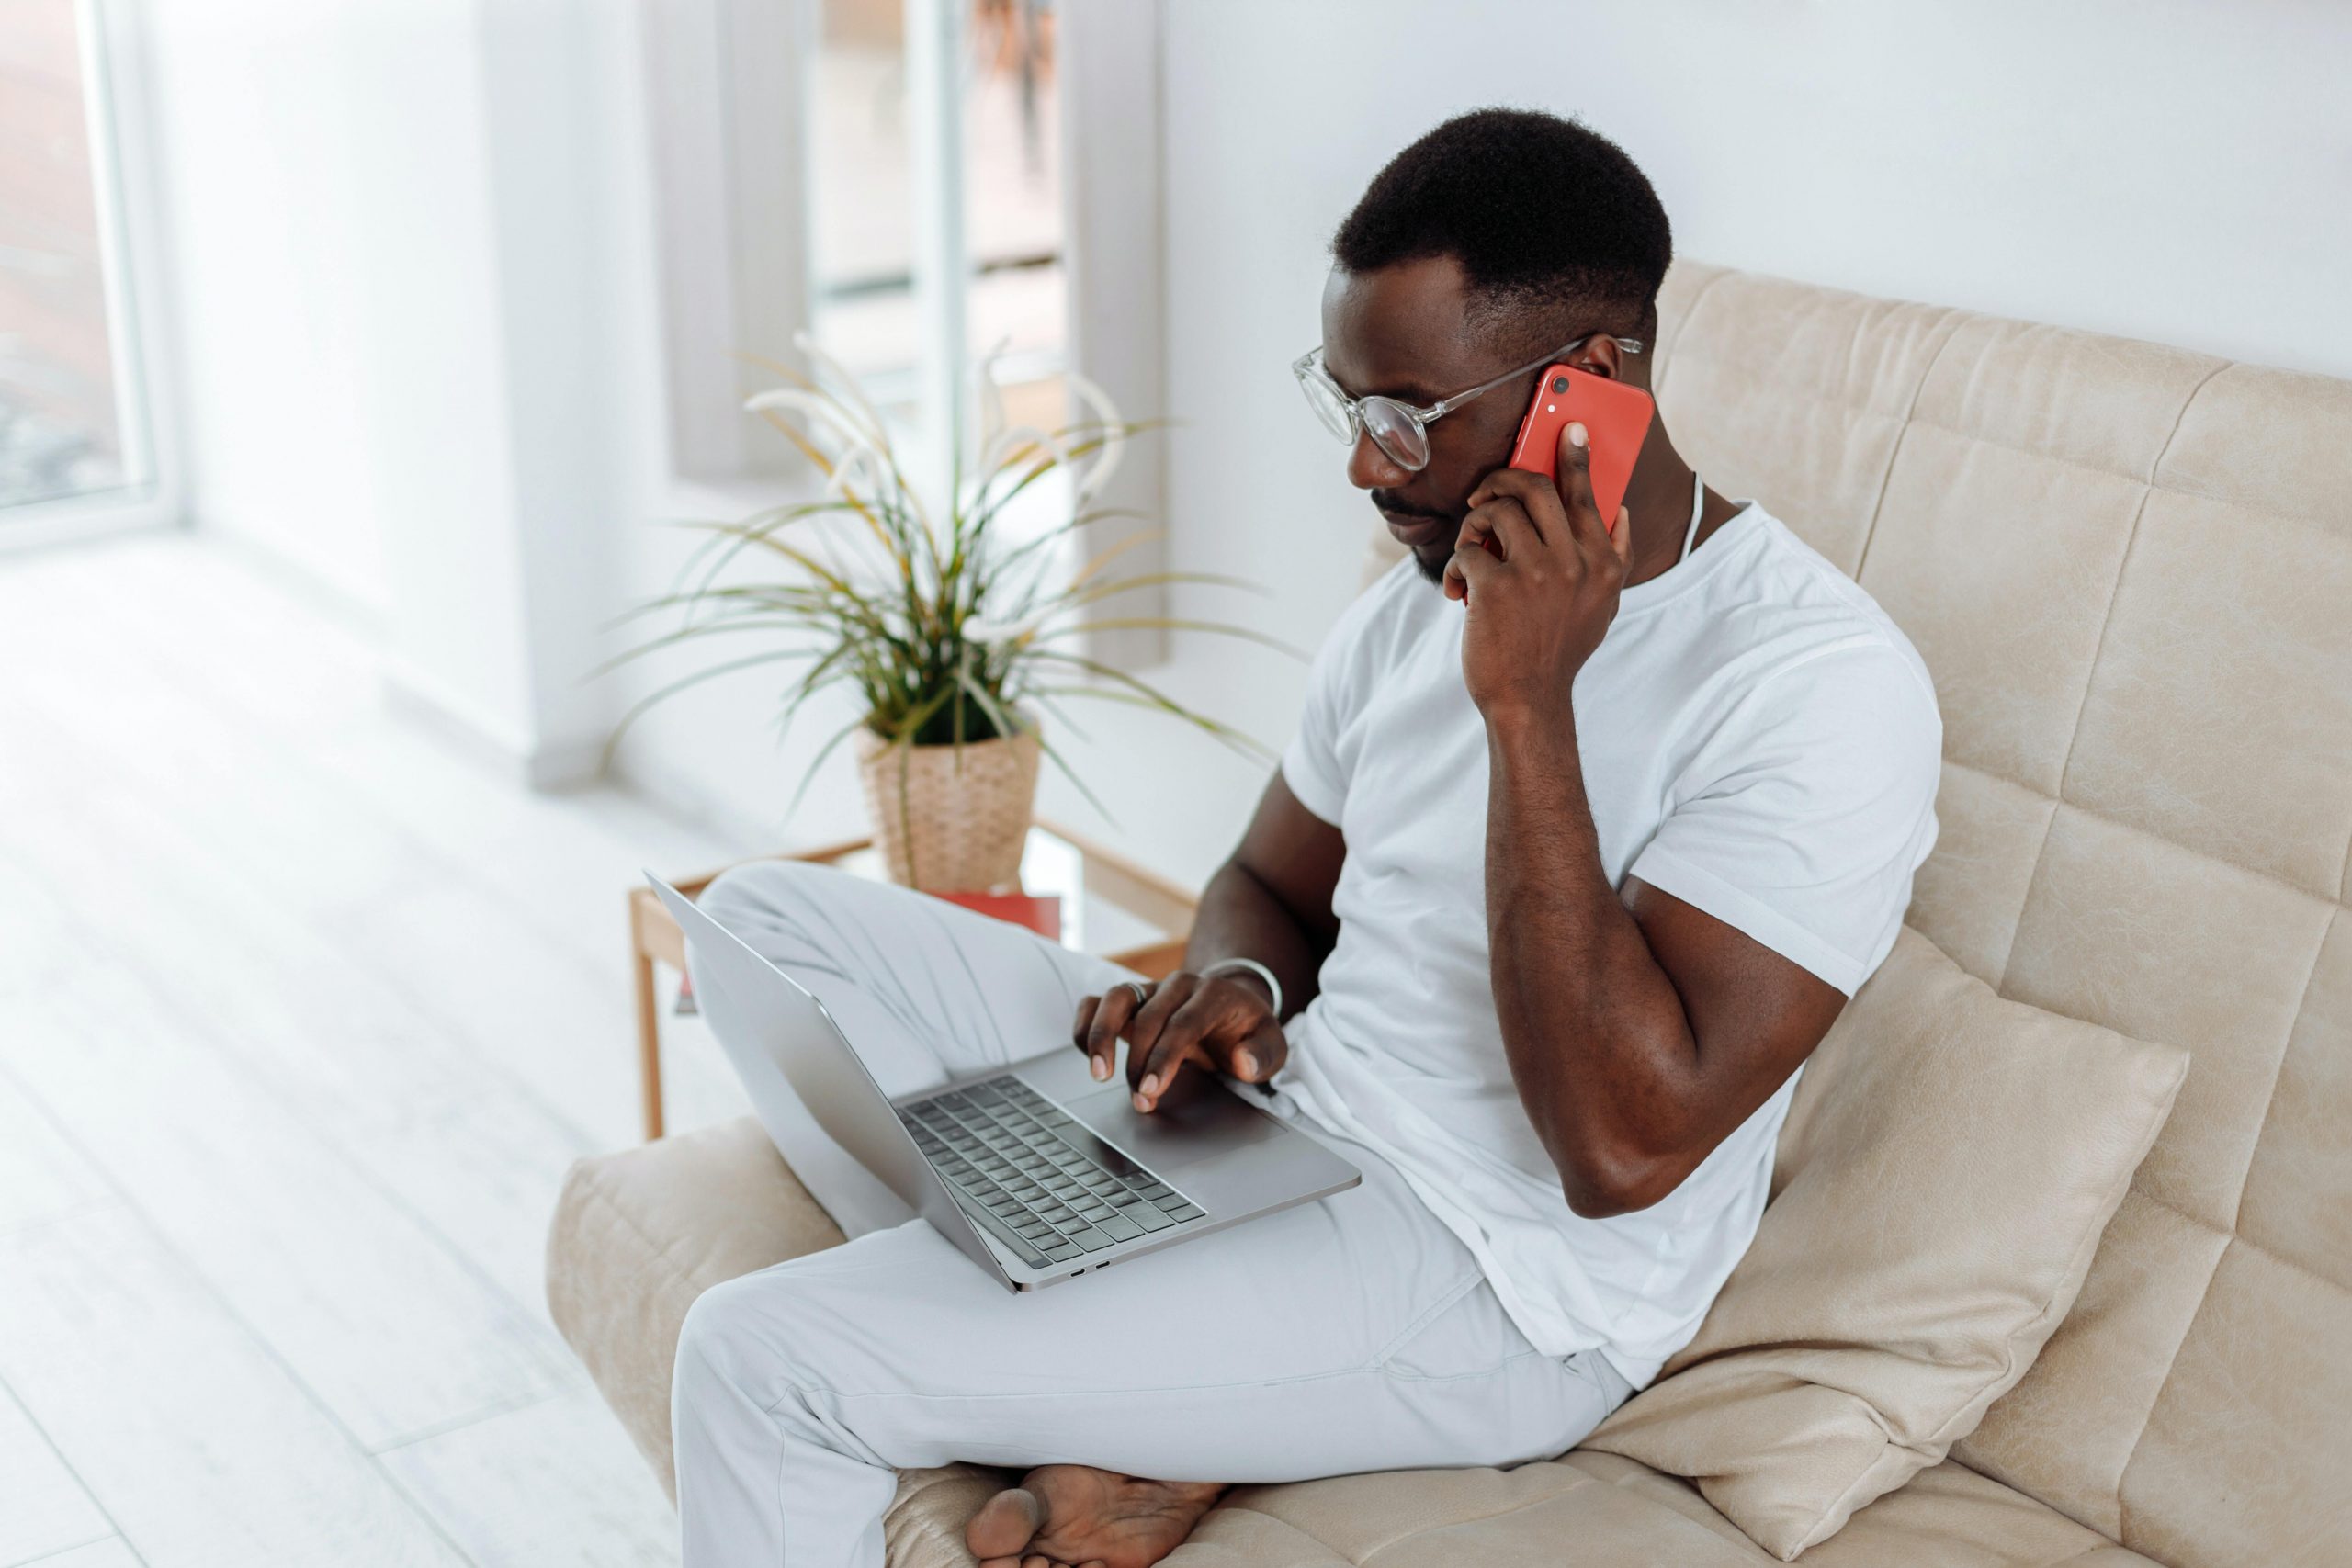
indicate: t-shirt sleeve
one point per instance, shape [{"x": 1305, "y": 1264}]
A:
[
  {"x": 1802, "y": 819},
  {"x": 1321, "y": 754}
]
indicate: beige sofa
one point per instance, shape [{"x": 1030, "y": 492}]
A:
[{"x": 2130, "y": 568}]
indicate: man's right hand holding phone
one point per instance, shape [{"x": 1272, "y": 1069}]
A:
[{"x": 1222, "y": 1023}]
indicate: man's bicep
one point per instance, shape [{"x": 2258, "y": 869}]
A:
[
  {"x": 1296, "y": 855},
  {"x": 1754, "y": 1014}
]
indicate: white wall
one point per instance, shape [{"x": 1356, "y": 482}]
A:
[
  {"x": 253, "y": 114},
  {"x": 2175, "y": 171},
  {"x": 392, "y": 232}
]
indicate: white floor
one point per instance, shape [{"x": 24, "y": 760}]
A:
[{"x": 302, "y": 1017}]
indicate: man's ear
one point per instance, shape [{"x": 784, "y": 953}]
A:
[{"x": 1602, "y": 356}]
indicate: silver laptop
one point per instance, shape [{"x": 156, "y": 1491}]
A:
[{"x": 1035, "y": 1170}]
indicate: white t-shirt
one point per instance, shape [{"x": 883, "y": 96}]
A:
[{"x": 1758, "y": 739}]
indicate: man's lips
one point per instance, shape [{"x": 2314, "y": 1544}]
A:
[{"x": 1412, "y": 530}]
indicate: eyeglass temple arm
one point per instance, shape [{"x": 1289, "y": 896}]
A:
[{"x": 1630, "y": 346}]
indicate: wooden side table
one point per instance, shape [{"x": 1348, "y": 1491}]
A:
[{"x": 1111, "y": 905}]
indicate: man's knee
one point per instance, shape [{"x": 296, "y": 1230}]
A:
[
  {"x": 753, "y": 1334},
  {"x": 712, "y": 1342},
  {"x": 762, "y": 887}
]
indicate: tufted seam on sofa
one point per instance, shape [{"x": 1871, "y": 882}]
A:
[
  {"x": 2344, "y": 881},
  {"x": 1309, "y": 1537},
  {"x": 1961, "y": 434},
  {"x": 2270, "y": 1095},
  {"x": 1828, "y": 398},
  {"x": 2234, "y": 1236},
  {"x": 2087, "y": 1553},
  {"x": 2024, "y": 895},
  {"x": 2172, "y": 1361},
  {"x": 2156, "y": 463},
  {"x": 2122, "y": 567},
  {"x": 1948, "y": 325},
  {"x": 1581, "y": 1480},
  {"x": 2271, "y": 878},
  {"x": 595, "y": 1188},
  {"x": 1574, "y": 1479}
]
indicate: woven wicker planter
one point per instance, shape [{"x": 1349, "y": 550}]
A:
[{"x": 962, "y": 823}]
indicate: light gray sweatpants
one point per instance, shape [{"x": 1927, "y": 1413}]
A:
[{"x": 1351, "y": 1334}]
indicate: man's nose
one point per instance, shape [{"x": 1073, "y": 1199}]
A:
[{"x": 1369, "y": 467}]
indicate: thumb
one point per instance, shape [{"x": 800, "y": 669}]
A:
[{"x": 1261, "y": 1055}]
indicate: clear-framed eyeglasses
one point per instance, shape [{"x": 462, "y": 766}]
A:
[{"x": 1397, "y": 428}]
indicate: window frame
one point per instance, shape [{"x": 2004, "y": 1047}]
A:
[{"x": 130, "y": 243}]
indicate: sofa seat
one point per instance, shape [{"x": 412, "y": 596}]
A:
[{"x": 638, "y": 1235}]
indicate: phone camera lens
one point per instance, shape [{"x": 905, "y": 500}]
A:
[{"x": 1559, "y": 383}]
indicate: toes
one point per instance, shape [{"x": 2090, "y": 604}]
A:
[{"x": 1006, "y": 1523}]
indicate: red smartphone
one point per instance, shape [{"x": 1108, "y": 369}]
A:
[{"x": 1616, "y": 420}]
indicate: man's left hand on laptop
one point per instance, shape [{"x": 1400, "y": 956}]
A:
[{"x": 1221, "y": 1023}]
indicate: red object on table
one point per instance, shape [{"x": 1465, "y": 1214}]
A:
[{"x": 1040, "y": 914}]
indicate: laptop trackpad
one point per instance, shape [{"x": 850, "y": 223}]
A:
[{"x": 1205, "y": 1126}]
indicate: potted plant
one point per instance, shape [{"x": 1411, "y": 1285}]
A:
[{"x": 955, "y": 638}]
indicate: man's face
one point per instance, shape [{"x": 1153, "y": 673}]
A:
[{"x": 1400, "y": 330}]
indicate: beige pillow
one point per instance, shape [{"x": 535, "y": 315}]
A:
[{"x": 1943, "y": 1181}]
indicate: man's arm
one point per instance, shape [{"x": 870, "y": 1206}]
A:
[
  {"x": 1641, "y": 1032},
  {"x": 1270, "y": 902},
  {"x": 1639, "y": 1036}
]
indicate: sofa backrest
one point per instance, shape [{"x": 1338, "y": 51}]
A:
[{"x": 2130, "y": 568}]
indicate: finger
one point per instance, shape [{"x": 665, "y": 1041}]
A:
[
  {"x": 1179, "y": 1043},
  {"x": 1261, "y": 1055},
  {"x": 1538, "y": 497},
  {"x": 1621, "y": 534},
  {"x": 1079, "y": 1030},
  {"x": 1143, "y": 1031},
  {"x": 1505, "y": 519},
  {"x": 1112, "y": 1012},
  {"x": 1466, "y": 568},
  {"x": 1584, "y": 519}
]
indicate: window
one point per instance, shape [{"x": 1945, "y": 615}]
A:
[
  {"x": 901, "y": 197},
  {"x": 899, "y": 177},
  {"x": 867, "y": 237},
  {"x": 73, "y": 429}
]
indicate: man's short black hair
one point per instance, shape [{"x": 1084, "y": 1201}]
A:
[{"x": 1553, "y": 225}]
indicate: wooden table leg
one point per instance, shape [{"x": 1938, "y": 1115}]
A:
[{"x": 648, "y": 1047}]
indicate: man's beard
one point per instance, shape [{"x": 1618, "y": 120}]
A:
[
  {"x": 1432, "y": 571},
  {"x": 1432, "y": 565}
]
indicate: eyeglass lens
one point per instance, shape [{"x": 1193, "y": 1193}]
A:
[
  {"x": 1392, "y": 426},
  {"x": 1396, "y": 432}
]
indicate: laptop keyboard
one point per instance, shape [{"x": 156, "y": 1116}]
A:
[{"x": 1034, "y": 1178}]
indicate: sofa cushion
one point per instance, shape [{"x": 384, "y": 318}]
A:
[
  {"x": 1944, "y": 1177},
  {"x": 637, "y": 1235}
]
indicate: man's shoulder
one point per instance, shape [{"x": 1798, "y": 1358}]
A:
[{"x": 1819, "y": 620}]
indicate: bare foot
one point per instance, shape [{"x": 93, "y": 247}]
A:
[{"x": 1073, "y": 1516}]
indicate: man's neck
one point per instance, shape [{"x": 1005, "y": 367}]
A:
[{"x": 1658, "y": 495}]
